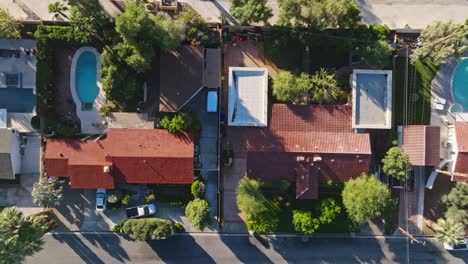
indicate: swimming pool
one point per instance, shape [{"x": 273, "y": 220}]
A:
[
  {"x": 17, "y": 100},
  {"x": 86, "y": 79},
  {"x": 460, "y": 86}
]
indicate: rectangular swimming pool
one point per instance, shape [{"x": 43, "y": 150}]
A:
[{"x": 17, "y": 100}]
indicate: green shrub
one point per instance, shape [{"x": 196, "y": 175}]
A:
[
  {"x": 198, "y": 213},
  {"x": 106, "y": 109},
  {"x": 329, "y": 209},
  {"x": 198, "y": 189},
  {"x": 178, "y": 227},
  {"x": 118, "y": 227},
  {"x": 149, "y": 228},
  {"x": 174, "y": 124},
  {"x": 126, "y": 199},
  {"x": 114, "y": 196},
  {"x": 303, "y": 222},
  {"x": 284, "y": 185},
  {"x": 263, "y": 222},
  {"x": 150, "y": 198},
  {"x": 36, "y": 122}
]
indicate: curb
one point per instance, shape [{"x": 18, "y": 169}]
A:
[{"x": 215, "y": 234}]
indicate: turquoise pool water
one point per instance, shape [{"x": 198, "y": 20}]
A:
[
  {"x": 460, "y": 86},
  {"x": 86, "y": 79}
]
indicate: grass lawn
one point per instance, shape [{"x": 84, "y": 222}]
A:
[
  {"x": 341, "y": 224},
  {"x": 420, "y": 77},
  {"x": 301, "y": 52}
]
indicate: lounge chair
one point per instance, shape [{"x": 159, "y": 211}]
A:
[
  {"x": 437, "y": 106},
  {"x": 440, "y": 100}
]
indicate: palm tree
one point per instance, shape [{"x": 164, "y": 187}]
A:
[
  {"x": 448, "y": 231},
  {"x": 58, "y": 9},
  {"x": 324, "y": 87}
]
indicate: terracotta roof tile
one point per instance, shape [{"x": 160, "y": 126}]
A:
[
  {"x": 301, "y": 128},
  {"x": 422, "y": 144},
  {"x": 461, "y": 164},
  {"x": 304, "y": 133},
  {"x": 133, "y": 155}
]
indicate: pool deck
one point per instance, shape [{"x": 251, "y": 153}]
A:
[
  {"x": 441, "y": 87},
  {"x": 91, "y": 121}
]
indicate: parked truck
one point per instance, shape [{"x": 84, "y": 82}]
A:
[{"x": 141, "y": 210}]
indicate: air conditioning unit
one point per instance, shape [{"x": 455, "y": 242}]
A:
[
  {"x": 106, "y": 169},
  {"x": 317, "y": 158}
]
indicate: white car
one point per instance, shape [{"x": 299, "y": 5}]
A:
[
  {"x": 462, "y": 245},
  {"x": 100, "y": 199}
]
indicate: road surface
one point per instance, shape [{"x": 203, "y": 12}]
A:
[{"x": 111, "y": 248}]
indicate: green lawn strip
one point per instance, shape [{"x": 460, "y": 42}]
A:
[
  {"x": 341, "y": 224},
  {"x": 420, "y": 77}
]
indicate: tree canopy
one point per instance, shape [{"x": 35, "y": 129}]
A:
[
  {"x": 323, "y": 87},
  {"x": 449, "y": 231},
  {"x": 441, "y": 40},
  {"x": 319, "y": 14},
  {"x": 20, "y": 236},
  {"x": 138, "y": 32},
  {"x": 198, "y": 213},
  {"x": 290, "y": 88},
  {"x": 377, "y": 54},
  {"x": 365, "y": 198},
  {"x": 58, "y": 9},
  {"x": 47, "y": 193},
  {"x": 248, "y": 11},
  {"x": 457, "y": 203},
  {"x": 9, "y": 26},
  {"x": 396, "y": 163}
]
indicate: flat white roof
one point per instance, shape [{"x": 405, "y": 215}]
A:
[
  {"x": 248, "y": 96},
  {"x": 372, "y": 99}
]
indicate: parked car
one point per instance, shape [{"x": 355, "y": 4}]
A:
[
  {"x": 101, "y": 199},
  {"x": 462, "y": 245},
  {"x": 141, "y": 210}
]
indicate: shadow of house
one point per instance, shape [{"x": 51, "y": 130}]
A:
[{"x": 184, "y": 72}]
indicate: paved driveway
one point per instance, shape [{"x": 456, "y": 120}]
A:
[
  {"x": 208, "y": 150},
  {"x": 99, "y": 221}
]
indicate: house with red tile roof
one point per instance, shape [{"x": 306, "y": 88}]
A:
[
  {"x": 461, "y": 151},
  {"x": 308, "y": 145},
  {"x": 421, "y": 144},
  {"x": 152, "y": 156}
]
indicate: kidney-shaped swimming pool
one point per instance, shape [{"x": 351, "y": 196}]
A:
[
  {"x": 460, "y": 86},
  {"x": 86, "y": 71}
]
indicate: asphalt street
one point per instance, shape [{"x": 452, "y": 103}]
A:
[{"x": 112, "y": 248}]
